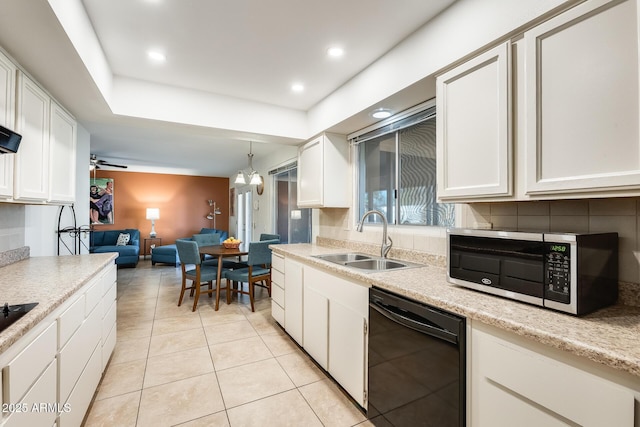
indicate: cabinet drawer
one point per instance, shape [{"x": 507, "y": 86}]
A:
[
  {"x": 278, "y": 313},
  {"x": 277, "y": 294},
  {"x": 108, "y": 346},
  {"x": 82, "y": 393},
  {"x": 93, "y": 297},
  {"x": 23, "y": 370},
  {"x": 108, "y": 299},
  {"x": 75, "y": 355},
  {"x": 109, "y": 278},
  {"x": 277, "y": 262},
  {"x": 277, "y": 277},
  {"x": 547, "y": 383},
  {"x": 70, "y": 321},
  {"x": 43, "y": 396},
  {"x": 108, "y": 321}
]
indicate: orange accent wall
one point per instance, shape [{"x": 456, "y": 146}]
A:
[{"x": 182, "y": 200}]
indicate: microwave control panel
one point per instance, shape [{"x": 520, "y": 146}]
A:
[{"x": 557, "y": 267}]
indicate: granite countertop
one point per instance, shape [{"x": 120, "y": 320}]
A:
[
  {"x": 608, "y": 336},
  {"x": 49, "y": 281}
]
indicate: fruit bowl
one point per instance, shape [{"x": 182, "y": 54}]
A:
[{"x": 232, "y": 245}]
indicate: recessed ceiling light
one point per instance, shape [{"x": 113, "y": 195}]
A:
[
  {"x": 381, "y": 113},
  {"x": 156, "y": 56},
  {"x": 335, "y": 52},
  {"x": 297, "y": 87}
]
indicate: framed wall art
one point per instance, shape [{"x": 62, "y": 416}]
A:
[{"x": 101, "y": 201}]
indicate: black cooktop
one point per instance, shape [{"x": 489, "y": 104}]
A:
[{"x": 11, "y": 313}]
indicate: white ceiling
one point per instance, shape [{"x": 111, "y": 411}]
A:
[{"x": 244, "y": 51}]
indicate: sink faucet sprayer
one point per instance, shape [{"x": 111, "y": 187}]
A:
[{"x": 384, "y": 249}]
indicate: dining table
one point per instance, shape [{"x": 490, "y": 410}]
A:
[{"x": 220, "y": 251}]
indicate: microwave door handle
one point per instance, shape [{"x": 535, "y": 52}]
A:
[{"x": 393, "y": 314}]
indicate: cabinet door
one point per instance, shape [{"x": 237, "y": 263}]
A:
[
  {"x": 293, "y": 297},
  {"x": 62, "y": 148},
  {"x": 316, "y": 325},
  {"x": 310, "y": 173},
  {"x": 7, "y": 119},
  {"x": 513, "y": 385},
  {"x": 31, "y": 175},
  {"x": 474, "y": 142},
  {"x": 347, "y": 350},
  {"x": 582, "y": 100}
]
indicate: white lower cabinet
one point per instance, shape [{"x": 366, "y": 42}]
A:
[
  {"x": 515, "y": 381},
  {"x": 277, "y": 288},
  {"x": 347, "y": 349},
  {"x": 74, "y": 409},
  {"x": 38, "y": 408},
  {"x": 316, "y": 325},
  {"x": 51, "y": 373},
  {"x": 328, "y": 316},
  {"x": 335, "y": 318},
  {"x": 293, "y": 296}
]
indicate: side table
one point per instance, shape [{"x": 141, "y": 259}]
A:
[{"x": 152, "y": 242}]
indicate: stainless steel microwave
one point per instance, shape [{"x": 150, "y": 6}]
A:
[{"x": 572, "y": 273}]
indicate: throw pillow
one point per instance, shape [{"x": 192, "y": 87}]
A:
[{"x": 123, "y": 239}]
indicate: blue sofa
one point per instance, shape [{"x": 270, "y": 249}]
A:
[
  {"x": 105, "y": 241},
  {"x": 168, "y": 254}
]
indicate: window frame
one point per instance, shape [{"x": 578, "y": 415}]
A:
[{"x": 393, "y": 125}]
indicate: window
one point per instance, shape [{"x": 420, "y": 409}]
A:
[{"x": 397, "y": 172}]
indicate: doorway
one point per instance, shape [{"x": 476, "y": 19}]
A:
[
  {"x": 244, "y": 214},
  {"x": 293, "y": 224}
]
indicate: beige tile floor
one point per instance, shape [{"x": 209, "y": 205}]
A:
[{"x": 172, "y": 366}]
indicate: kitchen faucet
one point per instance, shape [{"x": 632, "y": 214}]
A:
[{"x": 384, "y": 249}]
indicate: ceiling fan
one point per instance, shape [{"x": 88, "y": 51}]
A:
[{"x": 95, "y": 163}]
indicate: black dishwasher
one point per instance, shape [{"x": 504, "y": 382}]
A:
[{"x": 416, "y": 363}]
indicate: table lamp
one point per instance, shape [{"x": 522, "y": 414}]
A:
[{"x": 153, "y": 214}]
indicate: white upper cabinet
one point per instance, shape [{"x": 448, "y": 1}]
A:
[
  {"x": 552, "y": 113},
  {"x": 7, "y": 119},
  {"x": 31, "y": 179},
  {"x": 62, "y": 141},
  {"x": 323, "y": 173},
  {"x": 474, "y": 127},
  {"x": 45, "y": 164},
  {"x": 582, "y": 100}
]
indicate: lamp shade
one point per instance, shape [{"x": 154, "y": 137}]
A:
[
  {"x": 153, "y": 213},
  {"x": 240, "y": 178}
]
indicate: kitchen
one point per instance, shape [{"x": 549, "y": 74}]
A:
[{"x": 566, "y": 210}]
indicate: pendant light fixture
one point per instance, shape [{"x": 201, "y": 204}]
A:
[{"x": 254, "y": 177}]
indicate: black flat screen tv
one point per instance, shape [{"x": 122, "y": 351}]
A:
[{"x": 9, "y": 140}]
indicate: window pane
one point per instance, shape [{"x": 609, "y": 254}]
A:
[
  {"x": 417, "y": 194},
  {"x": 377, "y": 177}
]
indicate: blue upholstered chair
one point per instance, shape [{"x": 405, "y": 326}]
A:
[
  {"x": 265, "y": 236},
  {"x": 258, "y": 269},
  {"x": 200, "y": 275}
]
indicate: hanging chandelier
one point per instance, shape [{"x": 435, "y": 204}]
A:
[{"x": 254, "y": 177}]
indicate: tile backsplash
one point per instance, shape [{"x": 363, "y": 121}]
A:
[{"x": 621, "y": 215}]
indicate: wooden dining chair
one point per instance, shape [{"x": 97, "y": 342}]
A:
[
  {"x": 258, "y": 270},
  {"x": 200, "y": 275}
]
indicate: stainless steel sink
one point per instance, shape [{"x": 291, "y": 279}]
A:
[
  {"x": 377, "y": 264},
  {"x": 366, "y": 263},
  {"x": 343, "y": 258}
]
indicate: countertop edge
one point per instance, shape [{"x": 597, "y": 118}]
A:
[
  {"x": 72, "y": 282},
  {"x": 482, "y": 312}
]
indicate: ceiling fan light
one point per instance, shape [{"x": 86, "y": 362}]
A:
[{"x": 240, "y": 178}]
